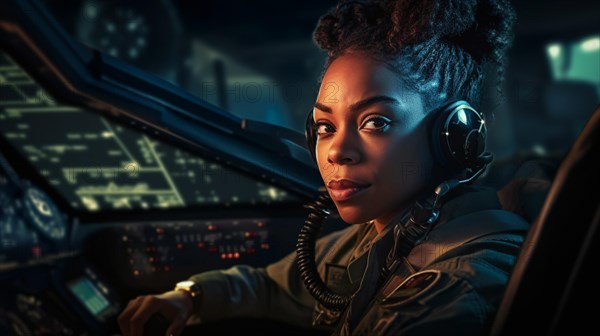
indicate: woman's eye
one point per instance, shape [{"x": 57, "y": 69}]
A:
[
  {"x": 377, "y": 123},
  {"x": 323, "y": 128}
]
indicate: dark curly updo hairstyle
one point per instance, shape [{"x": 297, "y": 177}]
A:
[{"x": 439, "y": 47}]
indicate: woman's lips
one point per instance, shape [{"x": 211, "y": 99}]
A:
[
  {"x": 343, "y": 189},
  {"x": 340, "y": 195}
]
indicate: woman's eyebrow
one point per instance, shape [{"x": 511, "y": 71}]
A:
[{"x": 362, "y": 104}]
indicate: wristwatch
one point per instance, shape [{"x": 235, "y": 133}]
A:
[{"x": 193, "y": 290}]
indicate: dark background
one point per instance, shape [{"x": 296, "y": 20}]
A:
[{"x": 257, "y": 60}]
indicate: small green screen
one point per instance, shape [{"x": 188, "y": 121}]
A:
[{"x": 88, "y": 294}]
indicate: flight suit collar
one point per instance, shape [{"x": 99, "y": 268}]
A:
[
  {"x": 366, "y": 267},
  {"x": 356, "y": 268},
  {"x": 465, "y": 200}
]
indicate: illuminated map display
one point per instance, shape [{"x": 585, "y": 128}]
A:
[
  {"x": 87, "y": 293},
  {"x": 99, "y": 165}
]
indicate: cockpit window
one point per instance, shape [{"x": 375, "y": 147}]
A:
[
  {"x": 97, "y": 165},
  {"x": 578, "y": 59},
  {"x": 188, "y": 50}
]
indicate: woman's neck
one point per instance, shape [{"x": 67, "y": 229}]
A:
[{"x": 382, "y": 222}]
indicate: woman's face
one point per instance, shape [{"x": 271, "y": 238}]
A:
[{"x": 371, "y": 133}]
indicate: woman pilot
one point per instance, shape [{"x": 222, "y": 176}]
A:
[{"x": 397, "y": 139}]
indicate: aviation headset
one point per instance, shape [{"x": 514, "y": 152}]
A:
[{"x": 458, "y": 136}]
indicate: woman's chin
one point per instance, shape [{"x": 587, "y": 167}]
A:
[{"x": 353, "y": 216}]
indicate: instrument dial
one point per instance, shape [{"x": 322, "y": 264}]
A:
[{"x": 42, "y": 212}]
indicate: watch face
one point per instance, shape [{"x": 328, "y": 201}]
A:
[
  {"x": 185, "y": 284},
  {"x": 189, "y": 287}
]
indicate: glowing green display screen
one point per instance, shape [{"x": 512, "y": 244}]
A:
[
  {"x": 85, "y": 291},
  {"x": 96, "y": 164}
]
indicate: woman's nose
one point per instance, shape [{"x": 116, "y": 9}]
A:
[{"x": 344, "y": 148}]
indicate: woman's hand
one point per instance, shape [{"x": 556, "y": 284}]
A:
[{"x": 175, "y": 306}]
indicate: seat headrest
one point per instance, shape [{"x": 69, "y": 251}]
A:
[
  {"x": 525, "y": 197},
  {"x": 526, "y": 193}
]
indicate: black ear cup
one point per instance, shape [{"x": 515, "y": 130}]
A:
[
  {"x": 311, "y": 135},
  {"x": 458, "y": 136}
]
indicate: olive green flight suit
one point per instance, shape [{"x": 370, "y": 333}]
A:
[{"x": 451, "y": 283}]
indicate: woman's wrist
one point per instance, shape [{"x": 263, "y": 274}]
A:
[{"x": 192, "y": 292}]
